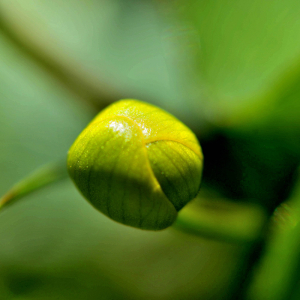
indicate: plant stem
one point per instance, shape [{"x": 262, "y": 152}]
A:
[
  {"x": 277, "y": 277},
  {"x": 43, "y": 176},
  {"x": 223, "y": 220}
]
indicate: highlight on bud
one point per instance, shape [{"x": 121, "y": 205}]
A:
[{"x": 137, "y": 164}]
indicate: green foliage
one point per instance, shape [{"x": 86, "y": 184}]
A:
[
  {"x": 278, "y": 275},
  {"x": 229, "y": 70}
]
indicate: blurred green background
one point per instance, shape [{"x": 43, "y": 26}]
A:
[{"x": 228, "y": 69}]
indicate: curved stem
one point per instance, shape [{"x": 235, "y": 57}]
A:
[
  {"x": 43, "y": 176},
  {"x": 223, "y": 220}
]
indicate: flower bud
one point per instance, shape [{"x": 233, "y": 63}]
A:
[{"x": 137, "y": 164}]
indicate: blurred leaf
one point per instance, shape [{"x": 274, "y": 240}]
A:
[
  {"x": 277, "y": 117},
  {"x": 278, "y": 273},
  {"x": 246, "y": 48}
]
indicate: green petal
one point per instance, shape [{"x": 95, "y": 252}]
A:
[
  {"x": 108, "y": 162},
  {"x": 178, "y": 170},
  {"x": 137, "y": 164}
]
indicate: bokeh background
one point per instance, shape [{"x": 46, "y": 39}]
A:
[{"x": 228, "y": 69}]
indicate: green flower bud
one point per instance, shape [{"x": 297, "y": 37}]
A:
[{"x": 137, "y": 164}]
